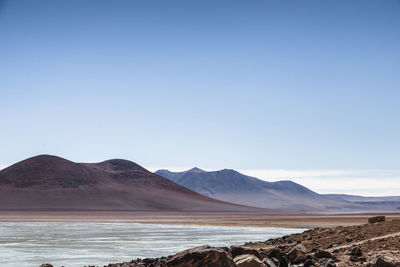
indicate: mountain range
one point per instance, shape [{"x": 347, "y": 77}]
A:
[
  {"x": 52, "y": 183},
  {"x": 48, "y": 182},
  {"x": 232, "y": 186}
]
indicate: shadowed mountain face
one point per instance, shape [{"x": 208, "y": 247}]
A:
[
  {"x": 232, "y": 186},
  {"x": 52, "y": 183}
]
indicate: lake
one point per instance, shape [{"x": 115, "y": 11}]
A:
[{"x": 83, "y": 243}]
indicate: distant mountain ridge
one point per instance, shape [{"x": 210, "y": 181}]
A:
[
  {"x": 384, "y": 203},
  {"x": 232, "y": 186},
  {"x": 48, "y": 182}
]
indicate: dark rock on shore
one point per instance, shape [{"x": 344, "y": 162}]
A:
[
  {"x": 277, "y": 256},
  {"x": 269, "y": 263},
  {"x": 382, "y": 261},
  {"x": 204, "y": 256},
  {"x": 297, "y": 254},
  {"x": 247, "y": 260},
  {"x": 355, "y": 251},
  {"x": 147, "y": 262},
  {"x": 376, "y": 219},
  {"x": 321, "y": 254},
  {"x": 240, "y": 250},
  {"x": 329, "y": 263}
]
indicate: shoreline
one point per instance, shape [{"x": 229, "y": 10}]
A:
[
  {"x": 226, "y": 224},
  {"x": 239, "y": 219}
]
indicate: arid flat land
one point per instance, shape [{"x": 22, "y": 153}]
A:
[{"x": 198, "y": 218}]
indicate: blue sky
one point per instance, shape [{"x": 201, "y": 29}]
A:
[{"x": 215, "y": 84}]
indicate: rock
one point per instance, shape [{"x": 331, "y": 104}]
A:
[
  {"x": 46, "y": 265},
  {"x": 203, "y": 256},
  {"x": 308, "y": 263},
  {"x": 376, "y": 219},
  {"x": 297, "y": 254},
  {"x": 383, "y": 261},
  {"x": 276, "y": 253},
  {"x": 247, "y": 260},
  {"x": 277, "y": 256},
  {"x": 240, "y": 250},
  {"x": 269, "y": 263},
  {"x": 355, "y": 251},
  {"x": 226, "y": 249},
  {"x": 329, "y": 263},
  {"x": 323, "y": 254},
  {"x": 283, "y": 263},
  {"x": 354, "y": 258},
  {"x": 149, "y": 261}
]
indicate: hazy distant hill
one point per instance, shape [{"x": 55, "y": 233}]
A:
[
  {"x": 52, "y": 183},
  {"x": 382, "y": 203},
  {"x": 232, "y": 186}
]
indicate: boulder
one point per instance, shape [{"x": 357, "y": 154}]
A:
[
  {"x": 240, "y": 250},
  {"x": 269, "y": 263},
  {"x": 203, "y": 256},
  {"x": 354, "y": 258},
  {"x": 309, "y": 263},
  {"x": 275, "y": 253},
  {"x": 277, "y": 262},
  {"x": 127, "y": 264},
  {"x": 376, "y": 219},
  {"x": 355, "y": 251},
  {"x": 329, "y": 263},
  {"x": 247, "y": 260},
  {"x": 283, "y": 262},
  {"x": 323, "y": 254},
  {"x": 277, "y": 256},
  {"x": 383, "y": 261},
  {"x": 297, "y": 254}
]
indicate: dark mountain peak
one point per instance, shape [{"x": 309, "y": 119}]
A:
[
  {"x": 47, "y": 171},
  {"x": 119, "y": 165},
  {"x": 41, "y": 162},
  {"x": 44, "y": 158}
]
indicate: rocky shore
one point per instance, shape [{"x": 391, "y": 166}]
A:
[{"x": 376, "y": 244}]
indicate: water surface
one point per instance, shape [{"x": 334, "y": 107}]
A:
[{"x": 73, "y": 244}]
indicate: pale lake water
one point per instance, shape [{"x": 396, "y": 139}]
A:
[{"x": 83, "y": 243}]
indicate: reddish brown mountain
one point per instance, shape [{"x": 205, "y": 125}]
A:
[{"x": 52, "y": 183}]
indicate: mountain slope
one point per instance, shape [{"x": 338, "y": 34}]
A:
[
  {"x": 232, "y": 186},
  {"x": 52, "y": 183}
]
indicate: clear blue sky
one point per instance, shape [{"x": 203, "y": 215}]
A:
[{"x": 215, "y": 84}]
